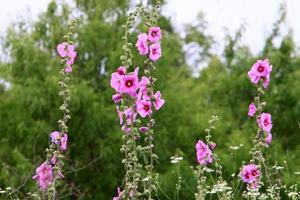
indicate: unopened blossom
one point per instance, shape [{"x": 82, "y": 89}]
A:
[
  {"x": 154, "y": 34},
  {"x": 265, "y": 122},
  {"x": 68, "y": 69},
  {"x": 129, "y": 84},
  {"x": 64, "y": 142},
  {"x": 117, "y": 98},
  {"x": 144, "y": 108},
  {"x": 116, "y": 77},
  {"x": 253, "y": 185},
  {"x": 126, "y": 129},
  {"x": 141, "y": 44},
  {"x": 155, "y": 52},
  {"x": 268, "y": 139},
  {"x": 143, "y": 129},
  {"x": 44, "y": 176},
  {"x": 158, "y": 101},
  {"x": 212, "y": 145},
  {"x": 204, "y": 154},
  {"x": 249, "y": 173},
  {"x": 119, "y": 195},
  {"x": 252, "y": 110},
  {"x": 120, "y": 115},
  {"x": 130, "y": 115},
  {"x": 260, "y": 71}
]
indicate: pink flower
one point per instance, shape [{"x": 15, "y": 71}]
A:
[
  {"x": 44, "y": 175},
  {"x": 144, "y": 108},
  {"x": 64, "y": 142},
  {"x": 119, "y": 195},
  {"x": 260, "y": 71},
  {"x": 155, "y": 52},
  {"x": 68, "y": 69},
  {"x": 252, "y": 110},
  {"x": 249, "y": 173},
  {"x": 130, "y": 116},
  {"x": 120, "y": 115},
  {"x": 62, "y": 49},
  {"x": 154, "y": 34},
  {"x": 141, "y": 44},
  {"x": 265, "y": 122},
  {"x": 158, "y": 101},
  {"x": 121, "y": 70},
  {"x": 204, "y": 154},
  {"x": 268, "y": 139},
  {"x": 117, "y": 98},
  {"x": 116, "y": 77},
  {"x": 129, "y": 84}
]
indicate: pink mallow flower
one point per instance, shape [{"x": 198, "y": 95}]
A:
[
  {"x": 252, "y": 110},
  {"x": 142, "y": 45},
  {"x": 158, "y": 101},
  {"x": 120, "y": 115},
  {"x": 62, "y": 49},
  {"x": 44, "y": 176},
  {"x": 116, "y": 77},
  {"x": 63, "y": 140},
  {"x": 119, "y": 195},
  {"x": 260, "y": 71},
  {"x": 155, "y": 52},
  {"x": 265, "y": 122},
  {"x": 129, "y": 84},
  {"x": 268, "y": 139},
  {"x": 249, "y": 173},
  {"x": 143, "y": 129},
  {"x": 144, "y": 108},
  {"x": 204, "y": 154},
  {"x": 154, "y": 34}
]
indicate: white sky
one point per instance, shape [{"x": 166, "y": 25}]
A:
[{"x": 258, "y": 15}]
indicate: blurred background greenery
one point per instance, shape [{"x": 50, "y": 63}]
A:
[{"x": 28, "y": 104}]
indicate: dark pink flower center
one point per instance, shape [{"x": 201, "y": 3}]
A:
[
  {"x": 266, "y": 122},
  {"x": 128, "y": 83},
  {"x": 154, "y": 33},
  {"x": 260, "y": 69},
  {"x": 154, "y": 51},
  {"x": 254, "y": 173},
  {"x": 146, "y": 107},
  {"x": 121, "y": 72},
  {"x": 247, "y": 175}
]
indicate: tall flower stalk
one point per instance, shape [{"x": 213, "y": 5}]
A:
[
  {"x": 136, "y": 99},
  {"x": 50, "y": 171}
]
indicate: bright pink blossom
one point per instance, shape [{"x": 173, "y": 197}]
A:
[
  {"x": 252, "y": 110},
  {"x": 141, "y": 44},
  {"x": 44, "y": 176},
  {"x": 265, "y": 122},
  {"x": 154, "y": 34},
  {"x": 158, "y": 101},
  {"x": 129, "y": 84},
  {"x": 144, "y": 108},
  {"x": 260, "y": 71},
  {"x": 144, "y": 83},
  {"x": 204, "y": 154},
  {"x": 249, "y": 173},
  {"x": 62, "y": 49},
  {"x": 155, "y": 52}
]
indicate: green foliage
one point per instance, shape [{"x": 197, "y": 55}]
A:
[{"x": 29, "y": 107}]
